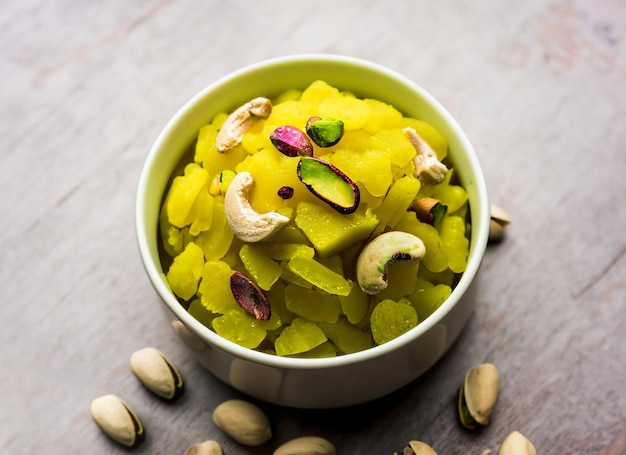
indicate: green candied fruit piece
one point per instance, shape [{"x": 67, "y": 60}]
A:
[
  {"x": 454, "y": 242},
  {"x": 312, "y": 304},
  {"x": 330, "y": 231},
  {"x": 214, "y": 289},
  {"x": 347, "y": 337},
  {"x": 263, "y": 270},
  {"x": 301, "y": 336},
  {"x": 326, "y": 349},
  {"x": 396, "y": 202},
  {"x": 434, "y": 259},
  {"x": 283, "y": 251},
  {"x": 200, "y": 313},
  {"x": 291, "y": 277},
  {"x": 239, "y": 327},
  {"x": 319, "y": 275},
  {"x": 185, "y": 272},
  {"x": 390, "y": 319},
  {"x": 402, "y": 279},
  {"x": 354, "y": 305},
  {"x": 428, "y": 297}
]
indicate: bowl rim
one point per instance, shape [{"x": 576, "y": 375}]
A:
[{"x": 477, "y": 246}]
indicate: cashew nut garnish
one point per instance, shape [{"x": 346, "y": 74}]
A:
[
  {"x": 247, "y": 224},
  {"x": 427, "y": 166},
  {"x": 240, "y": 121},
  {"x": 387, "y": 248}
]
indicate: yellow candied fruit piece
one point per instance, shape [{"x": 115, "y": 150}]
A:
[
  {"x": 205, "y": 143},
  {"x": 319, "y": 275},
  {"x": 453, "y": 196},
  {"x": 214, "y": 289},
  {"x": 371, "y": 167},
  {"x": 330, "y": 231},
  {"x": 171, "y": 236},
  {"x": 381, "y": 116},
  {"x": 347, "y": 337},
  {"x": 183, "y": 193},
  {"x": 272, "y": 170},
  {"x": 216, "y": 242},
  {"x": 317, "y": 92},
  {"x": 212, "y": 160},
  {"x": 301, "y": 336},
  {"x": 262, "y": 269},
  {"x": 239, "y": 327},
  {"x": 312, "y": 304},
  {"x": 185, "y": 272},
  {"x": 390, "y": 319},
  {"x": 350, "y": 110},
  {"x": 201, "y": 213},
  {"x": 395, "y": 144},
  {"x": 200, "y": 313},
  {"x": 396, "y": 203},
  {"x": 454, "y": 243}
]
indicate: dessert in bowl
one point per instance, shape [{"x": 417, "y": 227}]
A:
[{"x": 316, "y": 215}]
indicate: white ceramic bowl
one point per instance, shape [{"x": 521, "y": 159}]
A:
[{"x": 313, "y": 383}]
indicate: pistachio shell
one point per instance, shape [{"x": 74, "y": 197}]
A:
[
  {"x": 421, "y": 448},
  {"x": 205, "y": 448},
  {"x": 117, "y": 420},
  {"x": 497, "y": 224},
  {"x": 478, "y": 395},
  {"x": 243, "y": 421},
  {"x": 517, "y": 444},
  {"x": 250, "y": 297},
  {"x": 157, "y": 373},
  {"x": 306, "y": 445}
]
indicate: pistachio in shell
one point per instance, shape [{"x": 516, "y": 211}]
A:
[
  {"x": 329, "y": 184},
  {"x": 325, "y": 132},
  {"x": 417, "y": 448},
  {"x": 478, "y": 395},
  {"x": 117, "y": 420},
  {"x": 157, "y": 373},
  {"x": 517, "y": 444},
  {"x": 429, "y": 210},
  {"x": 291, "y": 141}
]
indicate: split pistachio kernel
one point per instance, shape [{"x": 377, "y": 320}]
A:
[
  {"x": 478, "y": 395},
  {"x": 325, "y": 132},
  {"x": 329, "y": 184},
  {"x": 157, "y": 373},
  {"x": 117, "y": 420},
  {"x": 291, "y": 141}
]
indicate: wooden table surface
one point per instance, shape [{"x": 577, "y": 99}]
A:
[{"x": 538, "y": 86}]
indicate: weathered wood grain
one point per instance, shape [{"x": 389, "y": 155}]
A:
[{"x": 537, "y": 85}]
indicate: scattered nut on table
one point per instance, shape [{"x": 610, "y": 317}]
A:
[
  {"x": 117, "y": 420},
  {"x": 243, "y": 421},
  {"x": 417, "y": 448},
  {"x": 306, "y": 445},
  {"x": 385, "y": 249},
  {"x": 517, "y": 444},
  {"x": 209, "y": 447},
  {"x": 478, "y": 395},
  {"x": 247, "y": 224},
  {"x": 157, "y": 373},
  {"x": 497, "y": 224}
]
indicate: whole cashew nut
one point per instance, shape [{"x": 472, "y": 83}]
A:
[
  {"x": 373, "y": 262},
  {"x": 247, "y": 224},
  {"x": 239, "y": 122}
]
